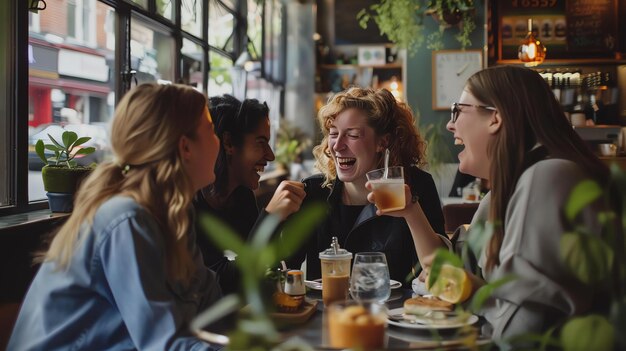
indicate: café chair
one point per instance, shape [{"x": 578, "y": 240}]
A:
[{"x": 455, "y": 215}]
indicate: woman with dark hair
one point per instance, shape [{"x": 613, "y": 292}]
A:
[
  {"x": 244, "y": 132},
  {"x": 358, "y": 125},
  {"x": 516, "y": 135}
]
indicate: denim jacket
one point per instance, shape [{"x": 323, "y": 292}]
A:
[{"x": 115, "y": 294}]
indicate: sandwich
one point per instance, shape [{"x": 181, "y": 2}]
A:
[{"x": 422, "y": 305}]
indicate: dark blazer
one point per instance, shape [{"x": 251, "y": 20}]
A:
[{"x": 370, "y": 232}]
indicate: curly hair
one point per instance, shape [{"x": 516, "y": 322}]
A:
[
  {"x": 385, "y": 115},
  {"x": 148, "y": 123}
]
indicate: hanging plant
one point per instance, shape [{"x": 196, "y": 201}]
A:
[{"x": 402, "y": 21}]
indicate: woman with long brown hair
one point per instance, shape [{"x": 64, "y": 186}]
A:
[
  {"x": 124, "y": 272},
  {"x": 514, "y": 133}
]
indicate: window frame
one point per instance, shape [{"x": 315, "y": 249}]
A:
[{"x": 18, "y": 83}]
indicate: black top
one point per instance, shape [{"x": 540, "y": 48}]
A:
[
  {"x": 348, "y": 215},
  {"x": 370, "y": 232},
  {"x": 240, "y": 213}
]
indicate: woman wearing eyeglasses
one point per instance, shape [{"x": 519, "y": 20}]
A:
[
  {"x": 244, "y": 132},
  {"x": 514, "y": 133}
]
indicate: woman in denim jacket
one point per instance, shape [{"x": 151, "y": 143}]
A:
[{"x": 124, "y": 272}]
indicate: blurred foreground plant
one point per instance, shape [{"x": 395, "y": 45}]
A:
[{"x": 255, "y": 330}]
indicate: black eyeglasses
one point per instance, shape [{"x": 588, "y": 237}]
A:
[{"x": 455, "y": 111}]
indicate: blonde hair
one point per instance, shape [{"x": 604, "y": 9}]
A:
[
  {"x": 385, "y": 115},
  {"x": 148, "y": 124}
]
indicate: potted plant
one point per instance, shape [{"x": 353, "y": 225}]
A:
[
  {"x": 437, "y": 150},
  {"x": 403, "y": 21},
  {"x": 61, "y": 173},
  {"x": 291, "y": 142}
]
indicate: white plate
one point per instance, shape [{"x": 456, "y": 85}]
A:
[
  {"x": 317, "y": 284},
  {"x": 425, "y": 326}
]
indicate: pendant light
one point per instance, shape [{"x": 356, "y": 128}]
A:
[{"x": 531, "y": 52}]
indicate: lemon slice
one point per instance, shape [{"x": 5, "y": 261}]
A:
[{"x": 452, "y": 285}]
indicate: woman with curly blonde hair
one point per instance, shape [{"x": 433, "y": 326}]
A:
[
  {"x": 124, "y": 272},
  {"x": 358, "y": 125}
]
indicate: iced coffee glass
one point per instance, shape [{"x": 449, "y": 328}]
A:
[
  {"x": 389, "y": 191},
  {"x": 335, "y": 275},
  {"x": 357, "y": 325}
]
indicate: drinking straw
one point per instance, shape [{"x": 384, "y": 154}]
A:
[{"x": 386, "y": 173}]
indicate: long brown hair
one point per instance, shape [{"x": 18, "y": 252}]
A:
[
  {"x": 385, "y": 115},
  {"x": 530, "y": 115},
  {"x": 148, "y": 123}
]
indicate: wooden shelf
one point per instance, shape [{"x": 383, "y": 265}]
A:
[
  {"x": 574, "y": 62},
  {"x": 351, "y": 66}
]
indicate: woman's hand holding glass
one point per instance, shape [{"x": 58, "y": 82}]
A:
[{"x": 408, "y": 208}]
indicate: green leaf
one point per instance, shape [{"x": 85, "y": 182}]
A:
[
  {"x": 486, "y": 291},
  {"x": 39, "y": 149},
  {"x": 298, "y": 228},
  {"x": 442, "y": 256},
  {"x": 583, "y": 194},
  {"x": 593, "y": 332},
  {"x": 55, "y": 142},
  {"x": 53, "y": 148},
  {"x": 264, "y": 231},
  {"x": 221, "y": 234},
  {"x": 69, "y": 138},
  {"x": 221, "y": 308},
  {"x": 588, "y": 257},
  {"x": 80, "y": 141},
  {"x": 85, "y": 151}
]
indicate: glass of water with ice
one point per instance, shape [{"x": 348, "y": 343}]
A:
[{"x": 369, "y": 281}]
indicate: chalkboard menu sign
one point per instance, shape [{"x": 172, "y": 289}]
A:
[
  {"x": 591, "y": 25},
  {"x": 568, "y": 28},
  {"x": 347, "y": 28}
]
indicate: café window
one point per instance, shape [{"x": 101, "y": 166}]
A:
[
  {"x": 221, "y": 25},
  {"x": 191, "y": 17},
  {"x": 70, "y": 87},
  {"x": 220, "y": 80},
  {"x": 192, "y": 57},
  {"x": 165, "y": 8},
  {"x": 152, "y": 52}
]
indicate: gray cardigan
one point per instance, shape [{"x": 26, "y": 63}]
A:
[{"x": 544, "y": 290}]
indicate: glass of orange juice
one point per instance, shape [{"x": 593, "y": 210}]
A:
[{"x": 357, "y": 325}]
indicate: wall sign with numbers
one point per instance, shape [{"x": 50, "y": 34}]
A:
[{"x": 451, "y": 69}]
